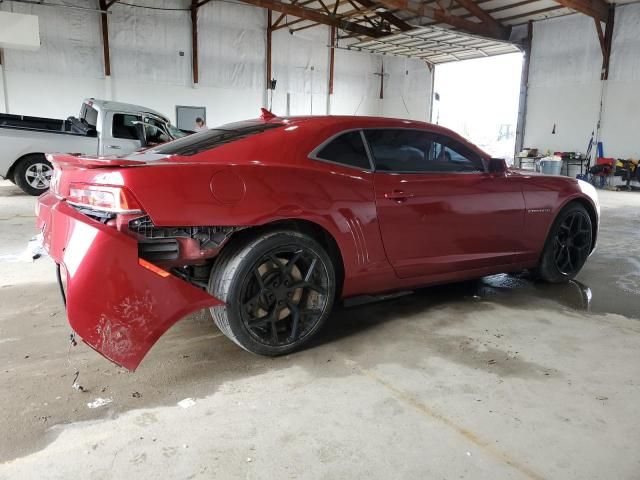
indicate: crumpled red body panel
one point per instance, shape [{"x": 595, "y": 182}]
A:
[{"x": 118, "y": 307}]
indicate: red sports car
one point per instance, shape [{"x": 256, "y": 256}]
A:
[{"x": 268, "y": 222}]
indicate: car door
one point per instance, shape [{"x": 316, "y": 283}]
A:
[
  {"x": 439, "y": 211},
  {"x": 122, "y": 136}
]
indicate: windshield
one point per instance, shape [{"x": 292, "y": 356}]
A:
[
  {"x": 208, "y": 139},
  {"x": 175, "y": 132}
]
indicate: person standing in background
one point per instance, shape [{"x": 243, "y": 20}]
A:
[{"x": 200, "y": 125}]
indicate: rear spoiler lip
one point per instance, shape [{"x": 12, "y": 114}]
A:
[{"x": 71, "y": 160}]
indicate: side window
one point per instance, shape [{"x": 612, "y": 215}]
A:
[
  {"x": 451, "y": 156},
  {"x": 399, "y": 150},
  {"x": 347, "y": 149},
  {"x": 124, "y": 126},
  {"x": 415, "y": 151}
]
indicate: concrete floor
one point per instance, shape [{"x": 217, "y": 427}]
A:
[{"x": 497, "y": 378}]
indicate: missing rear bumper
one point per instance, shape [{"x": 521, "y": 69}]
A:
[{"x": 117, "y": 306}]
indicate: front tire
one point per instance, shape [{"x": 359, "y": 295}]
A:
[
  {"x": 568, "y": 245},
  {"x": 278, "y": 289},
  {"x": 33, "y": 174}
]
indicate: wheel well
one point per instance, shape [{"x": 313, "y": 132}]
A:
[
  {"x": 313, "y": 230},
  {"x": 592, "y": 215},
  {"x": 12, "y": 168}
]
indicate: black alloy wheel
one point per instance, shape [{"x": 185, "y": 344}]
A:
[
  {"x": 572, "y": 243},
  {"x": 568, "y": 245},
  {"x": 285, "y": 295},
  {"x": 278, "y": 288}
]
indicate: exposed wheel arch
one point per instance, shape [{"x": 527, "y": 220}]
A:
[
  {"x": 565, "y": 250},
  {"x": 314, "y": 230},
  {"x": 591, "y": 210},
  {"x": 12, "y": 168},
  {"x": 32, "y": 173}
]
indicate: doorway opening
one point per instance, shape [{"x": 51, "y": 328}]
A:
[{"x": 479, "y": 100}]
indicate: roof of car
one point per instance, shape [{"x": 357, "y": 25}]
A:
[
  {"x": 122, "y": 107},
  {"x": 363, "y": 121},
  {"x": 351, "y": 121}
]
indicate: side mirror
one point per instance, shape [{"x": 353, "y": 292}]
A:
[{"x": 497, "y": 165}]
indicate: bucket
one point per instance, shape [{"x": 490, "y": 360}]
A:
[{"x": 550, "y": 166}]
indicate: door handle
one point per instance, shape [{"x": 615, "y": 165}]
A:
[
  {"x": 115, "y": 147},
  {"x": 398, "y": 196}
]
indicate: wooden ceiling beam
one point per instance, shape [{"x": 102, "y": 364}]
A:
[
  {"x": 532, "y": 14},
  {"x": 472, "y": 7},
  {"x": 598, "y": 9},
  {"x": 438, "y": 14},
  {"x": 315, "y": 16},
  {"x": 104, "y": 23},
  {"x": 388, "y": 16}
]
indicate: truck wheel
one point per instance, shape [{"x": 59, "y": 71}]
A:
[
  {"x": 567, "y": 246},
  {"x": 278, "y": 289},
  {"x": 33, "y": 174}
]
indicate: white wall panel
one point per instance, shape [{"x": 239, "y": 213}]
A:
[
  {"x": 356, "y": 85},
  {"x": 564, "y": 84},
  {"x": 565, "y": 87},
  {"x": 52, "y": 80},
  {"x": 621, "y": 115},
  {"x": 147, "y": 68},
  {"x": 407, "y": 92},
  {"x": 145, "y": 44},
  {"x": 18, "y": 30},
  {"x": 231, "y": 46},
  {"x": 300, "y": 64}
]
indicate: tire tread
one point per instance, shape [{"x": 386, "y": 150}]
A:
[{"x": 223, "y": 275}]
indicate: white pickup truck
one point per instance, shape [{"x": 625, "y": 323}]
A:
[{"x": 102, "y": 128}]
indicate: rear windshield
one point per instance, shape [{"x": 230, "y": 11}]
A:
[
  {"x": 89, "y": 115},
  {"x": 201, "y": 141}
]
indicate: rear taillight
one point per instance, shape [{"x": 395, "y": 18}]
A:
[{"x": 103, "y": 197}]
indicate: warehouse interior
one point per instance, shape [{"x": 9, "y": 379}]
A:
[{"x": 498, "y": 377}]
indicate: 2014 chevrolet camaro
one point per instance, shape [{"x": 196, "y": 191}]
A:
[{"x": 268, "y": 222}]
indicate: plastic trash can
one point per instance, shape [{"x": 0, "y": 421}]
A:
[{"x": 551, "y": 166}]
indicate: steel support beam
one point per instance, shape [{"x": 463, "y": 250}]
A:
[
  {"x": 315, "y": 16},
  {"x": 598, "y": 9},
  {"x": 440, "y": 15}
]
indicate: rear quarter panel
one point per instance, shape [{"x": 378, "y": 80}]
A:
[{"x": 253, "y": 183}]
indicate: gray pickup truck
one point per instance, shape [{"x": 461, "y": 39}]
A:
[{"x": 102, "y": 128}]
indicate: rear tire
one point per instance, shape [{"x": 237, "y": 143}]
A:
[
  {"x": 278, "y": 289},
  {"x": 33, "y": 174},
  {"x": 568, "y": 245}
]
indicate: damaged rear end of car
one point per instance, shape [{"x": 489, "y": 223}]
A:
[
  {"x": 127, "y": 280},
  {"x": 138, "y": 238}
]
